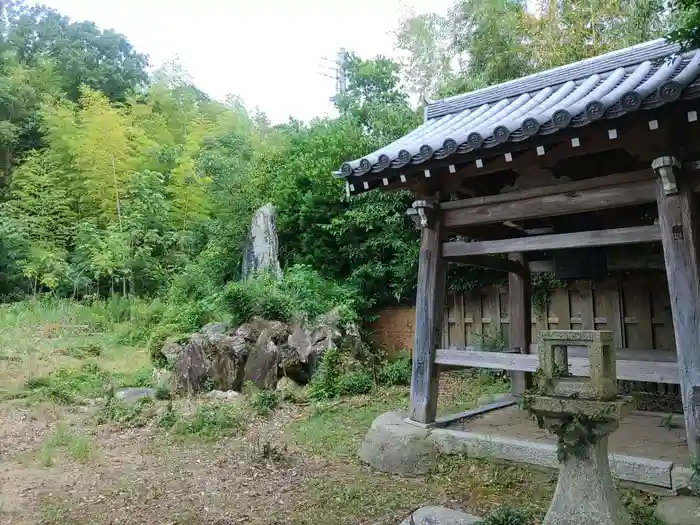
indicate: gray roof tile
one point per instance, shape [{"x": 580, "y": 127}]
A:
[{"x": 644, "y": 76}]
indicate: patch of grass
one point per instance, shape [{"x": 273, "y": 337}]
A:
[
  {"x": 209, "y": 422},
  {"x": 65, "y": 386},
  {"x": 127, "y": 415},
  {"x": 363, "y": 497},
  {"x": 63, "y": 439},
  {"x": 461, "y": 390},
  {"x": 53, "y": 513},
  {"x": 82, "y": 351},
  {"x": 141, "y": 377},
  {"x": 336, "y": 429},
  {"x": 506, "y": 515},
  {"x": 488, "y": 485}
]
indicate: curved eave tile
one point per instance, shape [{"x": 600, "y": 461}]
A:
[{"x": 571, "y": 103}]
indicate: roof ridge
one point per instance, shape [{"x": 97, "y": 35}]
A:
[{"x": 628, "y": 56}]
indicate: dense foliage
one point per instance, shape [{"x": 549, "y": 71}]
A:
[{"x": 117, "y": 182}]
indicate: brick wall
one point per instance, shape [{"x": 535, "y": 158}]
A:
[{"x": 394, "y": 328}]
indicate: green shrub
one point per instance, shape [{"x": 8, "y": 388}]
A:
[
  {"x": 144, "y": 316},
  {"x": 314, "y": 295},
  {"x": 155, "y": 344},
  {"x": 264, "y": 401},
  {"x": 163, "y": 393},
  {"x": 168, "y": 418},
  {"x": 505, "y": 515},
  {"x": 237, "y": 300},
  {"x": 354, "y": 383},
  {"x": 261, "y": 296},
  {"x": 331, "y": 381},
  {"x": 324, "y": 383},
  {"x": 396, "y": 372}
]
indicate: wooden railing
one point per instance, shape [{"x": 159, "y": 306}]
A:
[{"x": 627, "y": 369}]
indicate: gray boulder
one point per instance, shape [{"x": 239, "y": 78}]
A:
[
  {"x": 228, "y": 396},
  {"x": 132, "y": 395},
  {"x": 262, "y": 365},
  {"x": 311, "y": 341},
  {"x": 291, "y": 366},
  {"x": 215, "y": 328},
  {"x": 262, "y": 246},
  {"x": 289, "y": 390},
  {"x": 211, "y": 360},
  {"x": 250, "y": 331},
  {"x": 162, "y": 378},
  {"x": 439, "y": 516},
  {"x": 352, "y": 340},
  {"x": 395, "y": 446},
  {"x": 681, "y": 510},
  {"x": 172, "y": 350}
]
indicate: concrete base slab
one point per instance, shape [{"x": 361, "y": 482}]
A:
[
  {"x": 627, "y": 468},
  {"x": 394, "y": 445}
]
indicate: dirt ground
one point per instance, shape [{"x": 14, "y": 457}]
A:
[
  {"x": 59, "y": 464},
  {"x": 136, "y": 476}
]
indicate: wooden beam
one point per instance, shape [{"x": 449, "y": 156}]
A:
[
  {"x": 519, "y": 327},
  {"x": 559, "y": 241},
  {"x": 553, "y": 189},
  {"x": 430, "y": 301},
  {"x": 616, "y": 262},
  {"x": 650, "y": 371},
  {"x": 680, "y": 227},
  {"x": 563, "y": 202},
  {"x": 491, "y": 262}
]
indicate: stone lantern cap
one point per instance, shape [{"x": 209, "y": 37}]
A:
[{"x": 557, "y": 393}]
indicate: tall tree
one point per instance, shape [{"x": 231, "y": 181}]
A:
[
  {"x": 492, "y": 41},
  {"x": 685, "y": 22},
  {"x": 83, "y": 54}
]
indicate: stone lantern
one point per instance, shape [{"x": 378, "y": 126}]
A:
[{"x": 582, "y": 412}]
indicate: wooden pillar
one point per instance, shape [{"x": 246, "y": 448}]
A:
[
  {"x": 519, "y": 312},
  {"x": 678, "y": 221},
  {"x": 430, "y": 305}
]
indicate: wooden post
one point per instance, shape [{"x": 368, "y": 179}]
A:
[
  {"x": 520, "y": 326},
  {"x": 679, "y": 225},
  {"x": 430, "y": 305}
]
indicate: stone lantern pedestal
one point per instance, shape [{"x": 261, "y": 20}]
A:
[{"x": 582, "y": 413}]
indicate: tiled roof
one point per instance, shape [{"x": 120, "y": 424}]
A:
[{"x": 644, "y": 76}]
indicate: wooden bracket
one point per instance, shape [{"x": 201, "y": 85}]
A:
[
  {"x": 423, "y": 213},
  {"x": 664, "y": 168}
]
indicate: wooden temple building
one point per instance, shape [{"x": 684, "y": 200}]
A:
[{"x": 559, "y": 167}]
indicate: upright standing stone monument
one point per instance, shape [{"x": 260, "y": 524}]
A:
[
  {"x": 262, "y": 246},
  {"x": 582, "y": 413}
]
